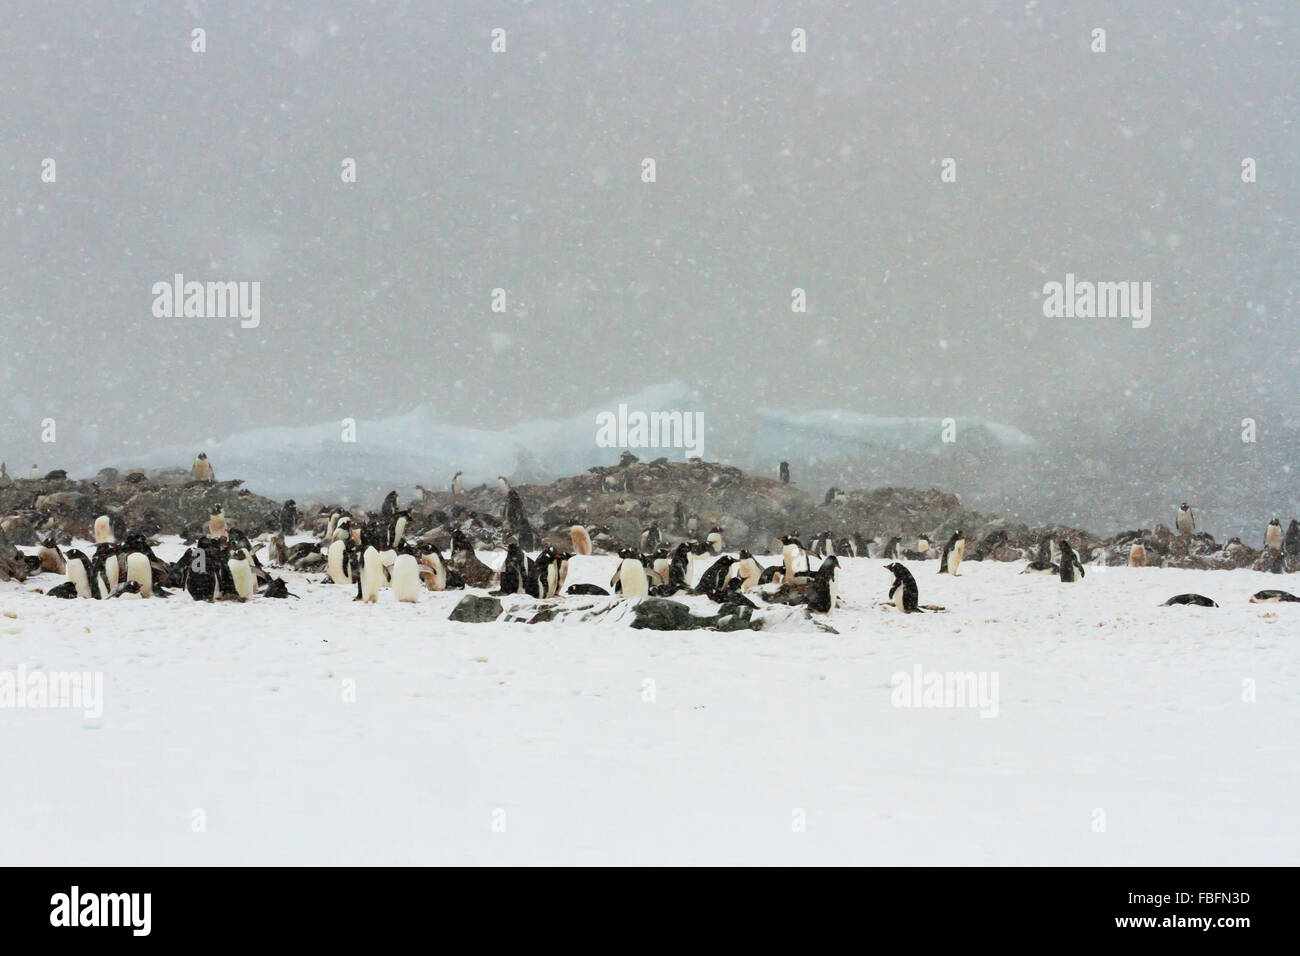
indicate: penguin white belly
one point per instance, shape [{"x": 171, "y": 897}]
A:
[
  {"x": 954, "y": 557},
  {"x": 714, "y": 542},
  {"x": 898, "y": 596},
  {"x": 334, "y": 561},
  {"x": 103, "y": 530},
  {"x": 113, "y": 571},
  {"x": 79, "y": 578},
  {"x": 406, "y": 578},
  {"x": 372, "y": 576},
  {"x": 399, "y": 530},
  {"x": 242, "y": 574},
  {"x": 1273, "y": 538},
  {"x": 438, "y": 580},
  {"x": 138, "y": 570},
  {"x": 631, "y": 576}
]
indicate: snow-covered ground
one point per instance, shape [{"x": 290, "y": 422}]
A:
[{"x": 319, "y": 731}]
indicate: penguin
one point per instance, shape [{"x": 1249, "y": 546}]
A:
[
  {"x": 1263, "y": 597},
  {"x": 651, "y": 538},
  {"x": 824, "y": 588},
  {"x": 336, "y": 562},
  {"x": 747, "y": 570},
  {"x": 457, "y": 485},
  {"x": 773, "y": 574},
  {"x": 715, "y": 575},
  {"x": 922, "y": 543},
  {"x": 107, "y": 567},
  {"x": 241, "y": 573},
  {"x": 581, "y": 539},
  {"x": 823, "y": 544},
  {"x": 549, "y": 568},
  {"x": 276, "y": 551},
  {"x": 1185, "y": 522},
  {"x": 1137, "y": 556},
  {"x": 692, "y": 525},
  {"x": 389, "y": 507},
  {"x": 632, "y": 581},
  {"x": 953, "y": 552},
  {"x": 1069, "y": 563},
  {"x": 714, "y": 540},
  {"x": 400, "y": 519},
  {"x": 217, "y": 523},
  {"x": 903, "y": 592},
  {"x": 127, "y": 589},
  {"x": 78, "y": 569},
  {"x": 594, "y": 589},
  {"x": 197, "y": 577},
  {"x": 794, "y": 560},
  {"x": 201, "y": 470},
  {"x": 67, "y": 590},
  {"x": 784, "y": 472},
  {"x": 465, "y": 563},
  {"x": 1198, "y": 599},
  {"x": 288, "y": 517},
  {"x": 679, "y": 516},
  {"x": 406, "y": 578},
  {"x": 1291, "y": 543},
  {"x": 139, "y": 571},
  {"x": 1273, "y": 535},
  {"x": 433, "y": 572},
  {"x": 371, "y": 578},
  {"x": 104, "y": 529},
  {"x": 502, "y": 484},
  {"x": 845, "y": 547},
  {"x": 731, "y": 594},
  {"x": 514, "y": 571},
  {"x": 51, "y": 557},
  {"x": 890, "y": 552},
  {"x": 679, "y": 570}
]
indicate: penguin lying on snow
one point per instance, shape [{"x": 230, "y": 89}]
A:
[
  {"x": 1198, "y": 599},
  {"x": 1272, "y": 596}
]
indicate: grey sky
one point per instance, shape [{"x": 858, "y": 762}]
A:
[{"x": 522, "y": 170}]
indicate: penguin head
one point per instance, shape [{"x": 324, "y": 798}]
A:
[
  {"x": 216, "y": 509},
  {"x": 203, "y": 456},
  {"x": 238, "y": 554},
  {"x": 626, "y": 553},
  {"x": 896, "y": 569}
]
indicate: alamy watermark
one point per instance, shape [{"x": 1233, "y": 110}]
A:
[
  {"x": 208, "y": 300},
  {"x": 1098, "y": 300},
  {"x": 39, "y": 690},
  {"x": 946, "y": 689},
  {"x": 624, "y": 429}
]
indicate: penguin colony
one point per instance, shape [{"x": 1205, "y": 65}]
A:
[{"x": 375, "y": 551}]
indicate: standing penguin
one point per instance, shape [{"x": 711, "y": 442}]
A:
[
  {"x": 371, "y": 578},
  {"x": 139, "y": 571},
  {"x": 502, "y": 484},
  {"x": 692, "y": 525},
  {"x": 1137, "y": 556},
  {"x": 50, "y": 556},
  {"x": 457, "y": 485},
  {"x": 891, "y": 548},
  {"x": 1291, "y": 543},
  {"x": 104, "y": 530},
  {"x": 406, "y": 578},
  {"x": 784, "y": 471},
  {"x": 1273, "y": 535},
  {"x": 1070, "y": 563},
  {"x": 216, "y": 523},
  {"x": 288, "y": 517},
  {"x": 794, "y": 558},
  {"x": 651, "y": 538},
  {"x": 630, "y": 577},
  {"x": 201, "y": 470},
  {"x": 904, "y": 592},
  {"x": 1186, "y": 521},
  {"x": 241, "y": 573},
  {"x": 679, "y": 516},
  {"x": 78, "y": 568},
  {"x": 953, "y": 552},
  {"x": 714, "y": 540},
  {"x": 581, "y": 539}
]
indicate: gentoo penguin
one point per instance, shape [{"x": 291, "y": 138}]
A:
[
  {"x": 632, "y": 581},
  {"x": 502, "y": 484},
  {"x": 389, "y": 507},
  {"x": 201, "y": 470},
  {"x": 903, "y": 592},
  {"x": 1273, "y": 535},
  {"x": 679, "y": 516},
  {"x": 823, "y": 544},
  {"x": 922, "y": 543},
  {"x": 1185, "y": 522},
  {"x": 514, "y": 571},
  {"x": 714, "y": 540},
  {"x": 747, "y": 570},
  {"x": 197, "y": 575},
  {"x": 217, "y": 523},
  {"x": 714, "y": 577},
  {"x": 457, "y": 485},
  {"x": 794, "y": 559},
  {"x": 731, "y": 594},
  {"x": 51, "y": 557},
  {"x": 371, "y": 578},
  {"x": 1259, "y": 597},
  {"x": 139, "y": 571},
  {"x": 107, "y": 566},
  {"x": 400, "y": 519},
  {"x": 953, "y": 552},
  {"x": 1291, "y": 543},
  {"x": 288, "y": 517},
  {"x": 336, "y": 562},
  {"x": 432, "y": 570},
  {"x": 679, "y": 570},
  {"x": 466, "y": 564},
  {"x": 241, "y": 573},
  {"x": 581, "y": 539},
  {"x": 1198, "y": 599},
  {"x": 1137, "y": 556},
  {"x": 104, "y": 530},
  {"x": 651, "y": 538},
  {"x": 1070, "y": 563},
  {"x": 784, "y": 472},
  {"x": 78, "y": 569},
  {"x": 824, "y": 588},
  {"x": 550, "y": 567},
  {"x": 891, "y": 548},
  {"x": 67, "y": 590},
  {"x": 406, "y": 578},
  {"x": 127, "y": 589}
]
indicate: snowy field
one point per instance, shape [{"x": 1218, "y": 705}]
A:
[{"x": 1111, "y": 731}]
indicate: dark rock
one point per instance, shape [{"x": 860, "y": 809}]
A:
[
  {"x": 661, "y": 614},
  {"x": 474, "y": 609}
]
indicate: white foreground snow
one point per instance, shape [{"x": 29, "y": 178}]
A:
[{"x": 508, "y": 743}]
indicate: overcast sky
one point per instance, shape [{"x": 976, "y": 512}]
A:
[{"x": 522, "y": 170}]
